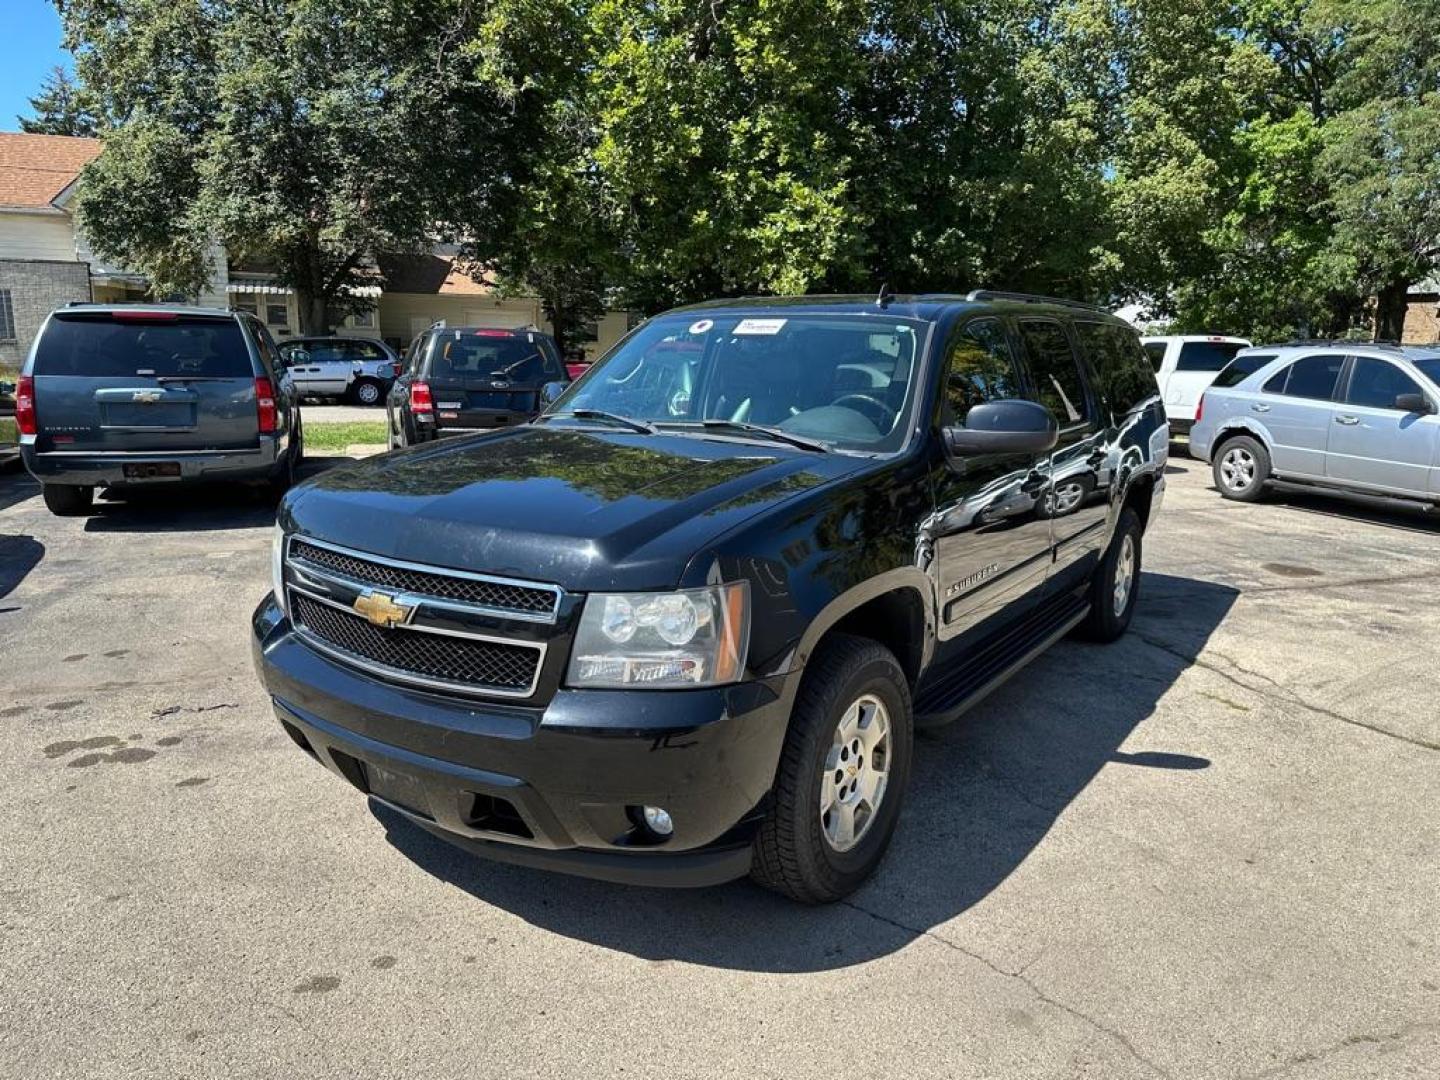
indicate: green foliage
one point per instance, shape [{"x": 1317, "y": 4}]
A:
[{"x": 62, "y": 107}]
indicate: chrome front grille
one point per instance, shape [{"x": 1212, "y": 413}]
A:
[
  {"x": 514, "y": 598},
  {"x": 469, "y": 662},
  {"x": 419, "y": 625}
]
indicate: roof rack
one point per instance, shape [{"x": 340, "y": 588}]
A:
[
  {"x": 1307, "y": 343},
  {"x": 1030, "y": 298}
]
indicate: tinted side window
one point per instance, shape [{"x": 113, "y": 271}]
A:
[
  {"x": 1241, "y": 368},
  {"x": 1376, "y": 384},
  {"x": 1124, "y": 379},
  {"x": 1155, "y": 352},
  {"x": 981, "y": 368},
  {"x": 365, "y": 350},
  {"x": 1054, "y": 369},
  {"x": 1206, "y": 355},
  {"x": 269, "y": 353},
  {"x": 1311, "y": 377}
]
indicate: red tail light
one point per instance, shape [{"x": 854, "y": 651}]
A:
[
  {"x": 25, "y": 406},
  {"x": 265, "y": 405},
  {"x": 494, "y": 333},
  {"x": 142, "y": 315},
  {"x": 1200, "y": 409},
  {"x": 420, "y": 399}
]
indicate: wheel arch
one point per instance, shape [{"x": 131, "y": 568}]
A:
[{"x": 895, "y": 609}]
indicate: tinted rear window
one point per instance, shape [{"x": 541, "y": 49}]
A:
[
  {"x": 467, "y": 355},
  {"x": 1311, "y": 377},
  {"x": 1241, "y": 368},
  {"x": 1122, "y": 374},
  {"x": 1206, "y": 355},
  {"x": 1155, "y": 350},
  {"x": 101, "y": 348}
]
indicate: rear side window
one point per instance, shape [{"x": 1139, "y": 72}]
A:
[
  {"x": 1054, "y": 369},
  {"x": 1123, "y": 376},
  {"x": 1206, "y": 355},
  {"x": 1155, "y": 353},
  {"x": 106, "y": 348},
  {"x": 468, "y": 355},
  {"x": 1376, "y": 384},
  {"x": 1311, "y": 377},
  {"x": 1241, "y": 368},
  {"x": 981, "y": 368}
]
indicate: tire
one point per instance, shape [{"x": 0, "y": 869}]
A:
[
  {"x": 1110, "y": 612},
  {"x": 367, "y": 392},
  {"x": 793, "y": 854},
  {"x": 67, "y": 500},
  {"x": 1241, "y": 467}
]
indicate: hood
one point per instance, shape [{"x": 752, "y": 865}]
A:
[{"x": 587, "y": 510}]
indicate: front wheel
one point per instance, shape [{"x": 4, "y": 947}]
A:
[
  {"x": 367, "y": 392},
  {"x": 842, "y": 776},
  {"x": 67, "y": 500}
]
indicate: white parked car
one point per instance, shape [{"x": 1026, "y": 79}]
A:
[{"x": 1184, "y": 366}]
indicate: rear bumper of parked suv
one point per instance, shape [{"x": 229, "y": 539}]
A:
[
  {"x": 558, "y": 787},
  {"x": 103, "y": 469}
]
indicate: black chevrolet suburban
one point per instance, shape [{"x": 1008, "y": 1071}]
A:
[{"x": 681, "y": 626}]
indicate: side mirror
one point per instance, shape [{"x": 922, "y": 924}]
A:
[
  {"x": 1413, "y": 403},
  {"x": 552, "y": 390},
  {"x": 1003, "y": 427}
]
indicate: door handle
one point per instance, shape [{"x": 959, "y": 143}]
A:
[
  {"x": 1347, "y": 420},
  {"x": 1259, "y": 408}
]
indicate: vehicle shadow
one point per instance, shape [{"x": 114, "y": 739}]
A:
[
  {"x": 16, "y": 485},
  {"x": 194, "y": 508},
  {"x": 1389, "y": 513},
  {"x": 984, "y": 794},
  {"x": 18, "y": 556}
]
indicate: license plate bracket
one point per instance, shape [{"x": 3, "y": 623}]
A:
[
  {"x": 152, "y": 470},
  {"x": 402, "y": 789}
]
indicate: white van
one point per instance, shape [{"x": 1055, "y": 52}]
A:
[{"x": 1184, "y": 366}]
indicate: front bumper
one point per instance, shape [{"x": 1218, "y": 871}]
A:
[
  {"x": 548, "y": 787},
  {"x": 105, "y": 468}
]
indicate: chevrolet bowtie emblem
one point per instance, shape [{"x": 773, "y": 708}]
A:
[
  {"x": 147, "y": 397},
  {"x": 382, "y": 610}
]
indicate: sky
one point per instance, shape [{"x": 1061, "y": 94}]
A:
[{"x": 30, "y": 47}]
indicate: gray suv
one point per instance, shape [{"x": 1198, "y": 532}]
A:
[
  {"x": 123, "y": 396},
  {"x": 1343, "y": 415}
]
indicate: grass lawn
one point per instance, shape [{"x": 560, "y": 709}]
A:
[{"x": 338, "y": 436}]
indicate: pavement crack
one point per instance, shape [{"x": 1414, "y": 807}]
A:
[
  {"x": 1347, "y": 1043},
  {"x": 1020, "y": 976},
  {"x": 1279, "y": 693}
]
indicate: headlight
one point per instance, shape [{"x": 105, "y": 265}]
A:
[
  {"x": 695, "y": 637},
  {"x": 277, "y": 567}
]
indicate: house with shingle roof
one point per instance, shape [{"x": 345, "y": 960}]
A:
[{"x": 45, "y": 263}]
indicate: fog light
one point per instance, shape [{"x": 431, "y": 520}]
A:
[{"x": 657, "y": 820}]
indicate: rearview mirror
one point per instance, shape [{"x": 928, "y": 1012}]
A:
[
  {"x": 1003, "y": 427},
  {"x": 1413, "y": 403},
  {"x": 552, "y": 390}
]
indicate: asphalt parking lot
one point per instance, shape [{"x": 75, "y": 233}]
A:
[{"x": 1211, "y": 850}]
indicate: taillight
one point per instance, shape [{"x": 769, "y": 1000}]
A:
[
  {"x": 1200, "y": 409},
  {"x": 265, "y": 405},
  {"x": 420, "y": 399},
  {"x": 25, "y": 406}
]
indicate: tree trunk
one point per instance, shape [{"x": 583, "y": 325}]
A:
[
  {"x": 1390, "y": 308},
  {"x": 311, "y": 309}
]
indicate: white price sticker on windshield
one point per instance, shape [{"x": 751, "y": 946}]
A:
[
  {"x": 701, "y": 326},
  {"x": 759, "y": 326}
]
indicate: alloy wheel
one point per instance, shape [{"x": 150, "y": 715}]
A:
[
  {"x": 1237, "y": 468},
  {"x": 1124, "y": 573},
  {"x": 857, "y": 770}
]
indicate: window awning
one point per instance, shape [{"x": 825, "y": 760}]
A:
[{"x": 264, "y": 288}]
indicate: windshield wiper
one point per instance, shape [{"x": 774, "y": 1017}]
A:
[
  {"x": 642, "y": 426},
  {"x": 778, "y": 434}
]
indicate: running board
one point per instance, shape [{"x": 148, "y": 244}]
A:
[{"x": 962, "y": 686}]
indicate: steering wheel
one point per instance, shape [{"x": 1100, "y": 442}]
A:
[{"x": 878, "y": 413}]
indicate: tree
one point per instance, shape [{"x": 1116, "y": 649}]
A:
[
  {"x": 61, "y": 108},
  {"x": 310, "y": 134}
]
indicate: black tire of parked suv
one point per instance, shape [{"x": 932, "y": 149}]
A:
[
  {"x": 68, "y": 500},
  {"x": 1109, "y": 619},
  {"x": 1238, "y": 452},
  {"x": 367, "y": 392},
  {"x": 792, "y": 855}
]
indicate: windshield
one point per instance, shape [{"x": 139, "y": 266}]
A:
[
  {"x": 845, "y": 380},
  {"x": 1429, "y": 367}
]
